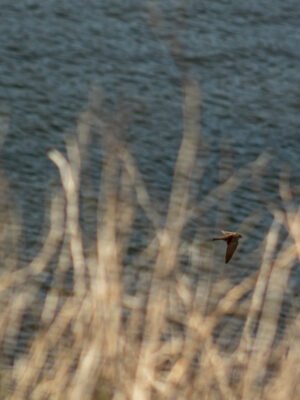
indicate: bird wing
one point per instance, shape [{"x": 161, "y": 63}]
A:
[
  {"x": 231, "y": 247},
  {"x": 227, "y": 233}
]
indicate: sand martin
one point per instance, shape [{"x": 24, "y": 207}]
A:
[{"x": 232, "y": 240}]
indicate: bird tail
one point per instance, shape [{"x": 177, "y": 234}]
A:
[{"x": 219, "y": 238}]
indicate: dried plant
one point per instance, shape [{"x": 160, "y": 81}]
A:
[{"x": 172, "y": 337}]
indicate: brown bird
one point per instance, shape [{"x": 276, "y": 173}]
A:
[{"x": 232, "y": 240}]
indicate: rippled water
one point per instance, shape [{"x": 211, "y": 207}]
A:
[{"x": 244, "y": 54}]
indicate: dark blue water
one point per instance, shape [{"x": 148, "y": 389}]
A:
[{"x": 245, "y": 56}]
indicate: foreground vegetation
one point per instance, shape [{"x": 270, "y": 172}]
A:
[{"x": 102, "y": 339}]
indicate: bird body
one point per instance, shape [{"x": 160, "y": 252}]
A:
[{"x": 232, "y": 240}]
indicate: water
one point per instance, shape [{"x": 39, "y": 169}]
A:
[{"x": 244, "y": 55}]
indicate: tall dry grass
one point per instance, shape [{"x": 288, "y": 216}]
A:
[{"x": 99, "y": 340}]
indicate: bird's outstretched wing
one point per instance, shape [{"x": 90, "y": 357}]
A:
[
  {"x": 231, "y": 247},
  {"x": 227, "y": 233}
]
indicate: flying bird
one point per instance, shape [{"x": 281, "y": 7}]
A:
[{"x": 232, "y": 240}]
